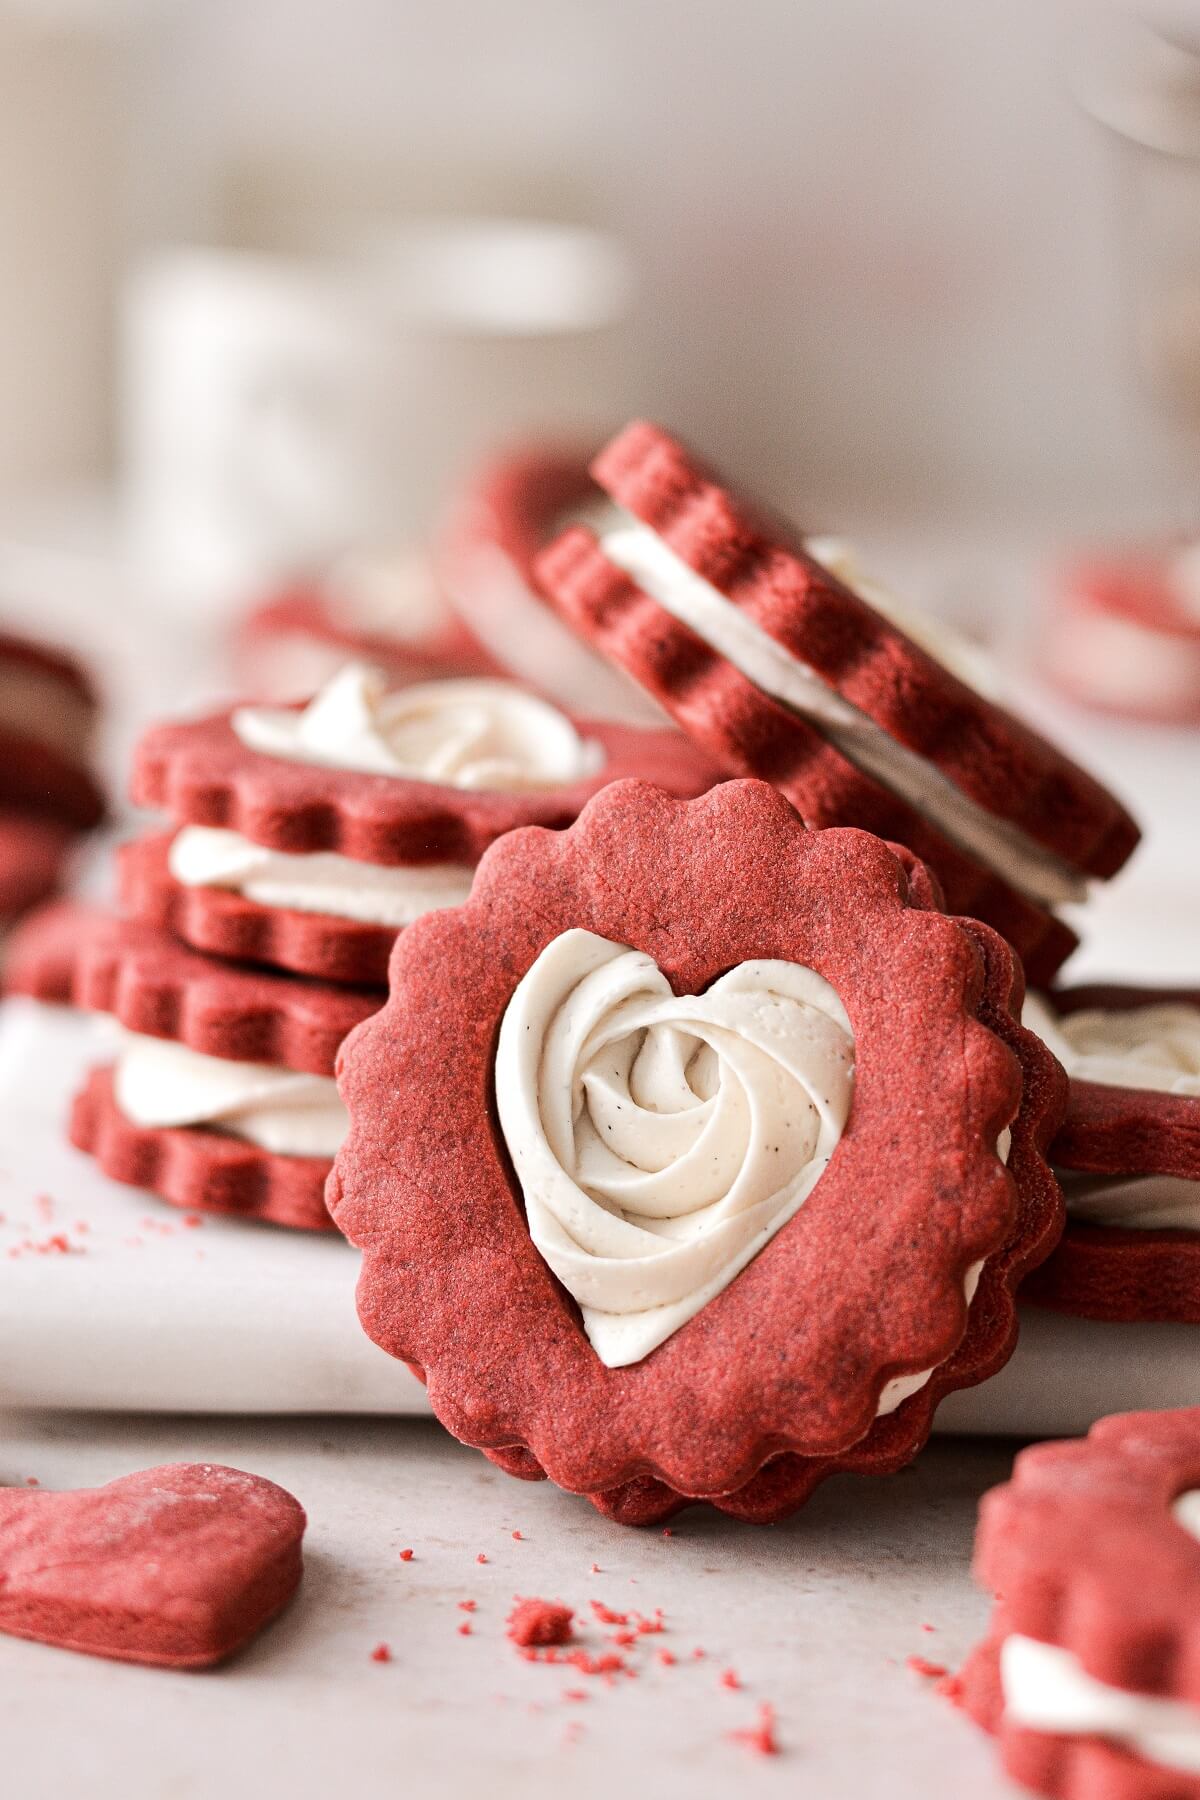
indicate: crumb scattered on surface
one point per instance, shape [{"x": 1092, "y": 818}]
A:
[
  {"x": 760, "y": 1737},
  {"x": 920, "y": 1665},
  {"x": 534, "y": 1622},
  {"x": 381, "y": 1653}
]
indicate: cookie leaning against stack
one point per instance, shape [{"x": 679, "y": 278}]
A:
[
  {"x": 306, "y": 838},
  {"x": 786, "y": 669}
]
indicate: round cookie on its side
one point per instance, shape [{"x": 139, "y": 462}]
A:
[
  {"x": 674, "y": 1056},
  {"x": 788, "y": 670}
]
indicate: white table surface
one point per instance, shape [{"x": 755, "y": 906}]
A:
[{"x": 817, "y": 1617}]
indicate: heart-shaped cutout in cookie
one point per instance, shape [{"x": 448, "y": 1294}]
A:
[
  {"x": 178, "y": 1566},
  {"x": 662, "y": 1139}
]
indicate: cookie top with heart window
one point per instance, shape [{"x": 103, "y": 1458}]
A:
[{"x": 696, "y": 1155}]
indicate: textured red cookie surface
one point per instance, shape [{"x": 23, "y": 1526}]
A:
[
  {"x": 989, "y": 755},
  {"x": 1082, "y": 1552},
  {"x": 198, "y": 1169},
  {"x": 178, "y": 1566},
  {"x": 82, "y": 956},
  {"x": 913, "y": 1196},
  {"x": 202, "y": 775},
  {"x": 223, "y": 923},
  {"x": 1117, "y": 1273},
  {"x": 33, "y": 854}
]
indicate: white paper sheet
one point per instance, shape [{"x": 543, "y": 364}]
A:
[{"x": 143, "y": 1313}]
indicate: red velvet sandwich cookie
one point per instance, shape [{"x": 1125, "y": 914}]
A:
[
  {"x": 178, "y": 1566},
  {"x": 48, "y": 713},
  {"x": 387, "y": 610},
  {"x": 1122, "y": 634},
  {"x": 222, "y": 1098},
  {"x": 34, "y": 850},
  {"x": 792, "y": 668},
  {"x": 309, "y": 837},
  {"x": 494, "y": 533},
  {"x": 689, "y": 1196},
  {"x": 1128, "y": 1154},
  {"x": 1090, "y": 1675}
]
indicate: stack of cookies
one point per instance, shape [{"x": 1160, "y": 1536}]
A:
[
  {"x": 722, "y": 1110},
  {"x": 48, "y": 791},
  {"x": 256, "y": 930}
]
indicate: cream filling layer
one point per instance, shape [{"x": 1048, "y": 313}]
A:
[
  {"x": 478, "y": 735},
  {"x": 159, "y": 1084},
  {"x": 1156, "y": 1047},
  {"x": 1135, "y": 1202},
  {"x": 318, "y": 883},
  {"x": 998, "y": 844},
  {"x": 1047, "y": 1689}
]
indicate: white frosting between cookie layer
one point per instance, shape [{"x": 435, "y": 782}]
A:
[
  {"x": 1136, "y": 1202},
  {"x": 479, "y": 735},
  {"x": 318, "y": 883},
  {"x": 159, "y": 1084},
  {"x": 662, "y": 1140},
  {"x": 1155, "y": 1047},
  {"x": 996, "y": 843},
  {"x": 1047, "y": 1689}
]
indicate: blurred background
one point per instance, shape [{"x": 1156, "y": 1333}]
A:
[{"x": 277, "y": 272}]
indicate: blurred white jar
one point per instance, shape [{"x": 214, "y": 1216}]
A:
[
  {"x": 244, "y": 401},
  {"x": 276, "y": 411}
]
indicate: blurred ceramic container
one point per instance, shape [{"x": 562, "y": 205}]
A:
[
  {"x": 277, "y": 412},
  {"x": 246, "y": 390}
]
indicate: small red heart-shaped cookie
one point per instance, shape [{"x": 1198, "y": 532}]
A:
[{"x": 178, "y": 1566}]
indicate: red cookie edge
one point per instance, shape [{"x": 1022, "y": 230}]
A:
[
  {"x": 197, "y": 1169},
  {"x": 223, "y": 923}
]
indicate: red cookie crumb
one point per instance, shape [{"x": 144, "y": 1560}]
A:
[
  {"x": 729, "y": 1678},
  {"x": 406, "y": 1556},
  {"x": 759, "y": 1737},
  {"x": 382, "y": 1653},
  {"x": 920, "y": 1665},
  {"x": 540, "y": 1622}
]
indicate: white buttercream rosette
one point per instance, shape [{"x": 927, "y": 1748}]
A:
[{"x": 661, "y": 1140}]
